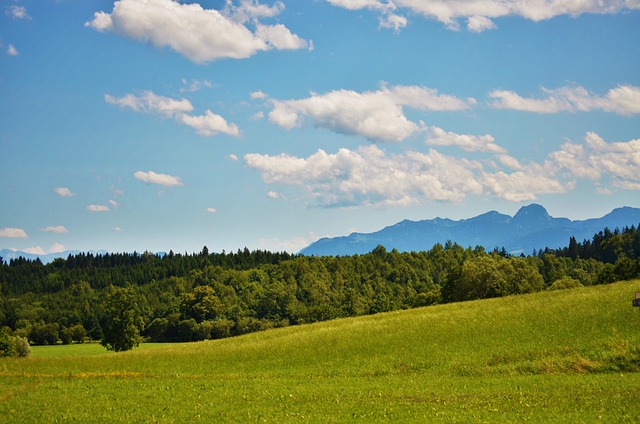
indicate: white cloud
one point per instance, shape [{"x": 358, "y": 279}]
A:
[
  {"x": 524, "y": 185},
  {"x": 116, "y": 191},
  {"x": 292, "y": 245},
  {"x": 251, "y": 10},
  {"x": 479, "y": 13},
  {"x": 63, "y": 192},
  {"x": 11, "y": 232},
  {"x": 510, "y": 162},
  {"x": 233, "y": 157},
  {"x": 370, "y": 176},
  {"x": 57, "y": 248},
  {"x": 195, "y": 85},
  {"x": 17, "y": 12},
  {"x": 97, "y": 208},
  {"x": 209, "y": 124},
  {"x": 623, "y": 100},
  {"x": 256, "y": 95},
  {"x": 206, "y": 125},
  {"x": 117, "y": 229},
  {"x": 59, "y": 229},
  {"x": 392, "y": 21},
  {"x": 279, "y": 37},
  {"x": 149, "y": 102},
  {"x": 479, "y": 24},
  {"x": 160, "y": 179},
  {"x": 376, "y": 115},
  {"x": 471, "y": 143},
  {"x": 596, "y": 158},
  {"x": 274, "y": 195},
  {"x": 37, "y": 250},
  {"x": 12, "y": 51},
  {"x": 386, "y": 9},
  {"x": 201, "y": 35},
  {"x": 212, "y": 210}
]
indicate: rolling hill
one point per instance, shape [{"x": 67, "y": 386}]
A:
[{"x": 561, "y": 356}]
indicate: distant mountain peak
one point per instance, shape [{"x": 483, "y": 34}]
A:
[
  {"x": 533, "y": 210},
  {"x": 533, "y": 216}
]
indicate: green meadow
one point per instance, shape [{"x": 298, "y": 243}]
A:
[{"x": 561, "y": 356}]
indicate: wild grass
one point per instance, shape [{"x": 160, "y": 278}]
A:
[{"x": 562, "y": 356}]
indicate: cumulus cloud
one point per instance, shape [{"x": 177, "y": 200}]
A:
[
  {"x": 12, "y": 51},
  {"x": 63, "y": 192},
  {"x": 57, "y": 248},
  {"x": 623, "y": 100},
  {"x": 257, "y": 95},
  {"x": 292, "y": 245},
  {"x": 370, "y": 176},
  {"x": 161, "y": 179},
  {"x": 37, "y": 250},
  {"x": 252, "y": 10},
  {"x": 479, "y": 24},
  {"x": 17, "y": 12},
  {"x": 206, "y": 125},
  {"x": 195, "y": 85},
  {"x": 596, "y": 159},
  {"x": 209, "y": 124},
  {"x": 376, "y": 115},
  {"x": 274, "y": 195},
  {"x": 388, "y": 17},
  {"x": 98, "y": 208},
  {"x": 212, "y": 210},
  {"x": 149, "y": 102},
  {"x": 479, "y": 13},
  {"x": 471, "y": 143},
  {"x": 59, "y": 229},
  {"x": 201, "y": 35},
  {"x": 11, "y": 232},
  {"x": 280, "y": 38}
]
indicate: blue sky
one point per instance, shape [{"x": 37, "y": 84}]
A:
[{"x": 161, "y": 125}]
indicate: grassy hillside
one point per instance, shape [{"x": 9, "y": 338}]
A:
[{"x": 564, "y": 356}]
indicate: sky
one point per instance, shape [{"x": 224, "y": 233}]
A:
[{"x": 157, "y": 125}]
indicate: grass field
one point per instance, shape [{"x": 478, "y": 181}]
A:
[{"x": 563, "y": 356}]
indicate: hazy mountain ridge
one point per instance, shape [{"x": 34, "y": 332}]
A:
[
  {"x": 8, "y": 254},
  {"x": 530, "y": 228}
]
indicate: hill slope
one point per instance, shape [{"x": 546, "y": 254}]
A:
[
  {"x": 531, "y": 228},
  {"x": 564, "y": 356}
]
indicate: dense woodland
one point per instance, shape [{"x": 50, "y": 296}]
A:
[{"x": 188, "y": 297}]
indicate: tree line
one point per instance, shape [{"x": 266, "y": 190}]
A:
[{"x": 189, "y": 297}]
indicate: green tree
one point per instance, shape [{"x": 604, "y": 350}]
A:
[
  {"x": 124, "y": 321},
  {"x": 201, "y": 304}
]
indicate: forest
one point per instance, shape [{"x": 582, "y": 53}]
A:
[{"x": 189, "y": 297}]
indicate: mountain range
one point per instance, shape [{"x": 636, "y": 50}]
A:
[
  {"x": 530, "y": 228},
  {"x": 8, "y": 254}
]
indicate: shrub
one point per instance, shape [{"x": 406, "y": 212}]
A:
[
  {"x": 565, "y": 283},
  {"x": 15, "y": 346},
  {"x": 22, "y": 347},
  {"x": 7, "y": 345}
]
